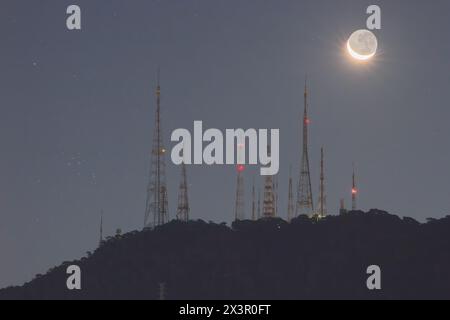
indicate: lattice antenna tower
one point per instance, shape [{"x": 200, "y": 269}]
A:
[
  {"x": 157, "y": 208},
  {"x": 239, "y": 208},
  {"x": 269, "y": 196},
  {"x": 305, "y": 203},
  {"x": 183, "y": 198},
  {"x": 322, "y": 210}
]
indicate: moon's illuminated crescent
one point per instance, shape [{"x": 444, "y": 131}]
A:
[{"x": 362, "y": 45}]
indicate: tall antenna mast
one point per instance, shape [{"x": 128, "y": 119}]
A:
[
  {"x": 269, "y": 200},
  {"x": 322, "y": 212},
  {"x": 305, "y": 203},
  {"x": 239, "y": 209},
  {"x": 183, "y": 199},
  {"x": 269, "y": 197},
  {"x": 354, "y": 189},
  {"x": 157, "y": 203},
  {"x": 290, "y": 198}
]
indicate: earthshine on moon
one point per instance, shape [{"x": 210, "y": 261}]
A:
[{"x": 362, "y": 45}]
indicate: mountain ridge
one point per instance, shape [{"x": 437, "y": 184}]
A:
[{"x": 264, "y": 259}]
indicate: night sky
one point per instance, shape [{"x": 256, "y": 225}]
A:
[{"x": 77, "y": 110}]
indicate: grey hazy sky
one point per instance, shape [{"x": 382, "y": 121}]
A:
[{"x": 77, "y": 109}]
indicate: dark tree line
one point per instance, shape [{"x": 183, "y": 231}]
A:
[{"x": 266, "y": 259}]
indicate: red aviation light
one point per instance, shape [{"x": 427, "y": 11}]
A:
[
  {"x": 240, "y": 168},
  {"x": 354, "y": 191},
  {"x": 307, "y": 121}
]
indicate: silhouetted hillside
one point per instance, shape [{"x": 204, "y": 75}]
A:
[{"x": 267, "y": 259}]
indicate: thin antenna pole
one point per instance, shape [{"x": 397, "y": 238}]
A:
[
  {"x": 290, "y": 198},
  {"x": 354, "y": 189},
  {"x": 239, "y": 209},
  {"x": 322, "y": 200}
]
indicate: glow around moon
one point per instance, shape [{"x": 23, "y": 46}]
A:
[{"x": 362, "y": 45}]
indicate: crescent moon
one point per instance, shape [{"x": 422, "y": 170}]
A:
[
  {"x": 356, "y": 55},
  {"x": 363, "y": 38}
]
